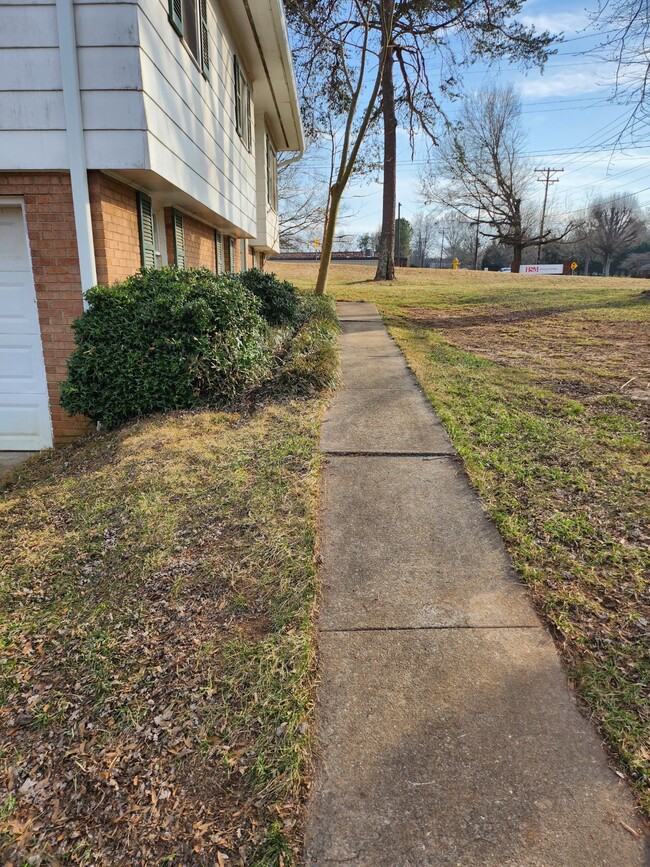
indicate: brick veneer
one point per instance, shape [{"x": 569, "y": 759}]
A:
[
  {"x": 114, "y": 212},
  {"x": 53, "y": 246},
  {"x": 199, "y": 244}
]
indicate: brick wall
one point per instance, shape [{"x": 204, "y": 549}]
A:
[
  {"x": 114, "y": 211},
  {"x": 200, "y": 251},
  {"x": 53, "y": 246},
  {"x": 199, "y": 244}
]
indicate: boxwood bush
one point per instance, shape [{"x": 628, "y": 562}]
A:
[
  {"x": 278, "y": 297},
  {"x": 165, "y": 339}
]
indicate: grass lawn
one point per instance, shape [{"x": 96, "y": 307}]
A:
[
  {"x": 543, "y": 384},
  {"x": 156, "y": 586}
]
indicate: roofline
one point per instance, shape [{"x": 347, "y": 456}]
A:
[{"x": 277, "y": 8}]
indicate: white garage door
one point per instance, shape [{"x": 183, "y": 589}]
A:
[{"x": 24, "y": 409}]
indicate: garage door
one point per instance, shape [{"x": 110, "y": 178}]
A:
[{"x": 24, "y": 408}]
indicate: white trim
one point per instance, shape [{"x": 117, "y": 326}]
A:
[{"x": 76, "y": 144}]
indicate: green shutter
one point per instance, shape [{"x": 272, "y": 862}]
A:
[
  {"x": 242, "y": 253},
  {"x": 179, "y": 239},
  {"x": 249, "y": 134},
  {"x": 205, "y": 48},
  {"x": 218, "y": 248},
  {"x": 145, "y": 226},
  {"x": 237, "y": 95},
  {"x": 231, "y": 253},
  {"x": 176, "y": 15}
]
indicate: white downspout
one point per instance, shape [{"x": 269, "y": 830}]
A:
[{"x": 76, "y": 144}]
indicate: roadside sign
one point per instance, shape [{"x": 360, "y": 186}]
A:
[
  {"x": 316, "y": 243},
  {"x": 541, "y": 269},
  {"x": 574, "y": 266}
]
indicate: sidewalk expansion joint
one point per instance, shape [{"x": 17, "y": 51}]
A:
[
  {"x": 378, "y": 454},
  {"x": 429, "y": 628}
]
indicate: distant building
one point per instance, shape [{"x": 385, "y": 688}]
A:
[{"x": 358, "y": 257}]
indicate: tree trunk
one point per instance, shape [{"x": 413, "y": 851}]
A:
[
  {"x": 607, "y": 266},
  {"x": 328, "y": 239},
  {"x": 386, "y": 263},
  {"x": 516, "y": 258}
]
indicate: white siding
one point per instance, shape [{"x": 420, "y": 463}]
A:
[
  {"x": 146, "y": 104},
  {"x": 32, "y": 117},
  {"x": 193, "y": 139}
]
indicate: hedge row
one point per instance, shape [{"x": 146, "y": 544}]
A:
[{"x": 169, "y": 339}]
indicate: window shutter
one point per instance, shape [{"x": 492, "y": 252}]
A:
[
  {"x": 231, "y": 253},
  {"x": 237, "y": 95},
  {"x": 242, "y": 253},
  {"x": 249, "y": 134},
  {"x": 205, "y": 48},
  {"x": 147, "y": 237},
  {"x": 179, "y": 239},
  {"x": 218, "y": 246},
  {"x": 176, "y": 15}
]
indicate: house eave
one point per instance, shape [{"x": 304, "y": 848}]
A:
[{"x": 263, "y": 43}]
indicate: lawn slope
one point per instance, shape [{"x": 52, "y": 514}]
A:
[{"x": 156, "y": 589}]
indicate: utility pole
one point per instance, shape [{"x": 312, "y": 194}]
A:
[
  {"x": 398, "y": 239},
  {"x": 478, "y": 223},
  {"x": 546, "y": 179}
]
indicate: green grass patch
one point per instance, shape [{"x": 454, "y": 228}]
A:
[{"x": 157, "y": 585}]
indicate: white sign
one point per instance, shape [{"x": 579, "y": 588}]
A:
[{"x": 541, "y": 269}]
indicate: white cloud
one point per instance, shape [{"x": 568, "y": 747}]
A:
[
  {"x": 567, "y": 22},
  {"x": 585, "y": 80}
]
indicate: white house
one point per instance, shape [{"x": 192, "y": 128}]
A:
[{"x": 132, "y": 132}]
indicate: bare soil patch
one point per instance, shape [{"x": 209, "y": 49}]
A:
[{"x": 580, "y": 357}]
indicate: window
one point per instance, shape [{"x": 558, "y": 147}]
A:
[
  {"x": 218, "y": 250},
  {"x": 231, "y": 254},
  {"x": 146, "y": 231},
  {"x": 179, "y": 239},
  {"x": 243, "y": 123},
  {"x": 189, "y": 19},
  {"x": 271, "y": 175}
]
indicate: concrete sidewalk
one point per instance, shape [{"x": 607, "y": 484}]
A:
[{"x": 448, "y": 734}]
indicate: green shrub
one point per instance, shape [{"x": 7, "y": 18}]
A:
[
  {"x": 164, "y": 339},
  {"x": 322, "y": 307},
  {"x": 279, "y": 297},
  {"x": 311, "y": 361}
]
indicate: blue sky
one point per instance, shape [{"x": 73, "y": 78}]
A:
[{"x": 568, "y": 117}]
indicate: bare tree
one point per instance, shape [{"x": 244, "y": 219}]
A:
[
  {"x": 460, "y": 239},
  {"x": 455, "y": 34},
  {"x": 303, "y": 192},
  {"x": 616, "y": 224},
  {"x": 626, "y": 24},
  {"x": 347, "y": 52},
  {"x": 302, "y": 206},
  {"x": 637, "y": 264},
  {"x": 340, "y": 55},
  {"x": 424, "y": 232},
  {"x": 486, "y": 177}
]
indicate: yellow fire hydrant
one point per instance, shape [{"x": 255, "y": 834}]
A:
[{"x": 455, "y": 263}]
